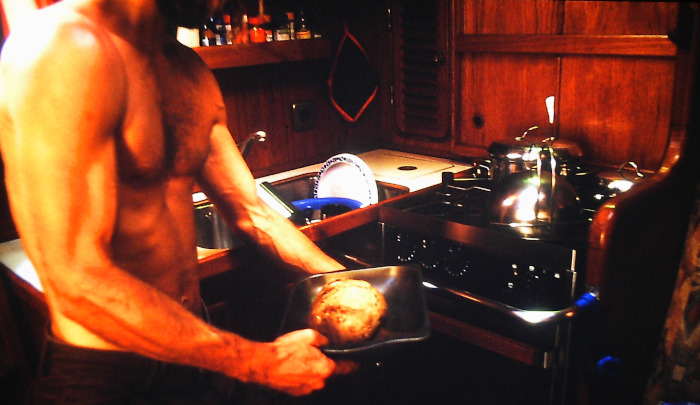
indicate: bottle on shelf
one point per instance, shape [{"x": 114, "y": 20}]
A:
[
  {"x": 207, "y": 36},
  {"x": 290, "y": 24},
  {"x": 282, "y": 32},
  {"x": 242, "y": 33},
  {"x": 228, "y": 29},
  {"x": 259, "y": 28},
  {"x": 282, "y": 26},
  {"x": 218, "y": 25},
  {"x": 303, "y": 31}
]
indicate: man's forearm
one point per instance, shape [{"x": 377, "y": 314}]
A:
[
  {"x": 143, "y": 320},
  {"x": 279, "y": 236},
  {"x": 139, "y": 318}
]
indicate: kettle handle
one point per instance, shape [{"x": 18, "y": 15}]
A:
[
  {"x": 546, "y": 153},
  {"x": 531, "y": 129}
]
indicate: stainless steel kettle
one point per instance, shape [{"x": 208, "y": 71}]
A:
[
  {"x": 535, "y": 203},
  {"x": 512, "y": 155}
]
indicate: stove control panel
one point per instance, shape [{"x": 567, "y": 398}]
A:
[{"x": 509, "y": 280}]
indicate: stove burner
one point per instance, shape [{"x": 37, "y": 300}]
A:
[
  {"x": 466, "y": 200},
  {"x": 462, "y": 203}
]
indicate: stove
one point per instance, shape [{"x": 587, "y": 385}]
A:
[
  {"x": 448, "y": 233},
  {"x": 513, "y": 295}
]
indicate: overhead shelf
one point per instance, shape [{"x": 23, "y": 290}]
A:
[{"x": 253, "y": 54}]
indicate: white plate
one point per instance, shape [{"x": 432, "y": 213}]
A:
[{"x": 346, "y": 176}]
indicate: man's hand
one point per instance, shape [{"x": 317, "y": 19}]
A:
[{"x": 293, "y": 363}]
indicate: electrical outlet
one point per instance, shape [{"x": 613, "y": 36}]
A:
[{"x": 303, "y": 116}]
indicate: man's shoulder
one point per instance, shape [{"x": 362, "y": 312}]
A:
[
  {"x": 186, "y": 56},
  {"x": 54, "y": 51},
  {"x": 54, "y": 32}
]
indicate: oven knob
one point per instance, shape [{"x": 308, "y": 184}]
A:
[
  {"x": 460, "y": 270},
  {"x": 406, "y": 255},
  {"x": 427, "y": 255},
  {"x": 455, "y": 262},
  {"x": 405, "y": 248}
]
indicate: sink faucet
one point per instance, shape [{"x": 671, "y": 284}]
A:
[{"x": 247, "y": 145}]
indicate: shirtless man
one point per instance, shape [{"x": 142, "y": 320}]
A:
[{"x": 106, "y": 123}]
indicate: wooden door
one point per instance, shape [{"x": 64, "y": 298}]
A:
[
  {"x": 421, "y": 91},
  {"x": 610, "y": 66}
]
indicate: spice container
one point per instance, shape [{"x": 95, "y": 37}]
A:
[
  {"x": 259, "y": 31},
  {"x": 207, "y": 36},
  {"x": 228, "y": 29},
  {"x": 303, "y": 32},
  {"x": 290, "y": 23},
  {"x": 282, "y": 32},
  {"x": 242, "y": 35}
]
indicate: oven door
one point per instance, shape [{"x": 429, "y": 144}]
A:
[{"x": 482, "y": 348}]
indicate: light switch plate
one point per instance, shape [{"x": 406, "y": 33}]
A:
[{"x": 303, "y": 115}]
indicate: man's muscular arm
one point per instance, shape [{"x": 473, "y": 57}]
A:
[
  {"x": 227, "y": 181},
  {"x": 61, "y": 106}
]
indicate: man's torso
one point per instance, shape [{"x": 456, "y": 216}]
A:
[{"x": 171, "y": 107}]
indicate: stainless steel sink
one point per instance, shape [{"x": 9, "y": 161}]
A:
[{"x": 213, "y": 233}]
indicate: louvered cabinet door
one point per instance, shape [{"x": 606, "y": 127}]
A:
[{"x": 421, "y": 90}]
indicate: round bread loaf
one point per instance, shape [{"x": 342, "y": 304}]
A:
[{"x": 347, "y": 311}]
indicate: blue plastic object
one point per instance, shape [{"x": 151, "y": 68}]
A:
[
  {"x": 678, "y": 403},
  {"x": 586, "y": 300},
  {"x": 608, "y": 366},
  {"x": 319, "y": 203}
]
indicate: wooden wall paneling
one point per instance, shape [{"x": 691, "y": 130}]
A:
[
  {"x": 509, "y": 17},
  {"x": 260, "y": 98},
  {"x": 620, "y": 17},
  {"x": 616, "y": 108},
  {"x": 308, "y": 83},
  {"x": 501, "y": 97},
  {"x": 249, "y": 109}
]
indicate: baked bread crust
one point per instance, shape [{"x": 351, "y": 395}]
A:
[{"x": 347, "y": 311}]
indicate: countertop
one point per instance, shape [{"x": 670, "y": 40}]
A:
[
  {"x": 13, "y": 256},
  {"x": 387, "y": 166},
  {"x": 390, "y": 166}
]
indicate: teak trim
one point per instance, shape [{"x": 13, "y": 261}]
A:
[
  {"x": 231, "y": 56},
  {"x": 620, "y": 45}
]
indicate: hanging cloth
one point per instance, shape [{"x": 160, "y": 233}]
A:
[{"x": 353, "y": 83}]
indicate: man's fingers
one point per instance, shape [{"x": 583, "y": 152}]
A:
[
  {"x": 319, "y": 339},
  {"x": 343, "y": 367},
  {"x": 308, "y": 336}
]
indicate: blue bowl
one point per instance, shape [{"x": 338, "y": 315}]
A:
[{"x": 319, "y": 203}]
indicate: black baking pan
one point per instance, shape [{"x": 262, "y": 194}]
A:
[{"x": 406, "y": 318}]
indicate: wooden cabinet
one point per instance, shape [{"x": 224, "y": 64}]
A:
[
  {"x": 610, "y": 65},
  {"x": 421, "y": 71}
]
